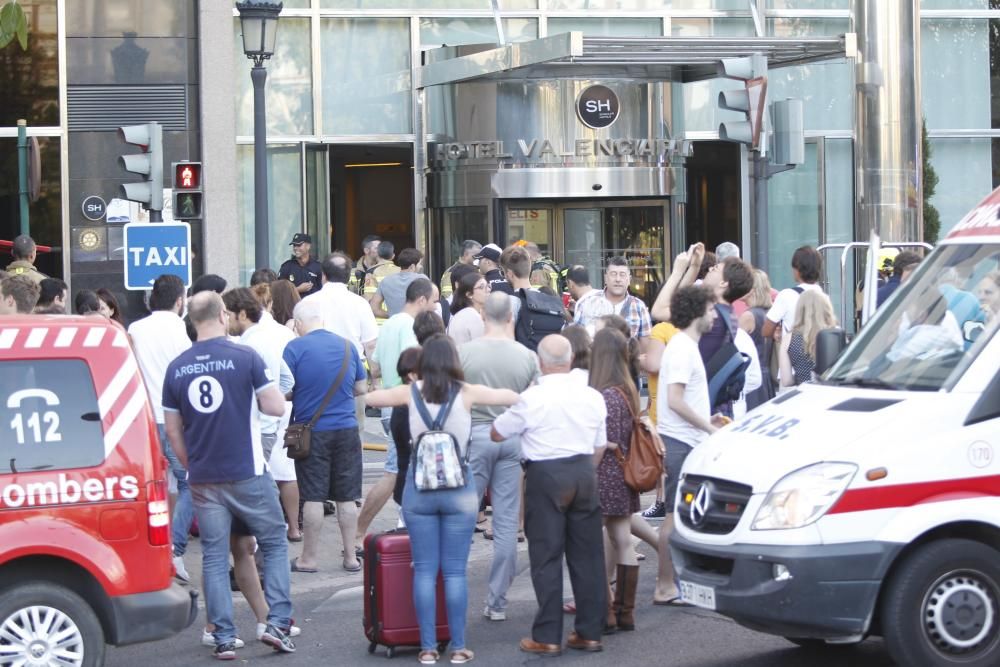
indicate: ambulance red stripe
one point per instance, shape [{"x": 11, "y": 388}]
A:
[{"x": 918, "y": 493}]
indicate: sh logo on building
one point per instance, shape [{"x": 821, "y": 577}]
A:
[{"x": 597, "y": 107}]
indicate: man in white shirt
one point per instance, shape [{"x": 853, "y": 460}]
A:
[
  {"x": 683, "y": 410},
  {"x": 157, "y": 340},
  {"x": 807, "y": 264},
  {"x": 258, "y": 330},
  {"x": 561, "y": 425},
  {"x": 346, "y": 314}
]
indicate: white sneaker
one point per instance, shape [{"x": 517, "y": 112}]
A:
[
  {"x": 493, "y": 614},
  {"x": 181, "y": 572},
  {"x": 293, "y": 631},
  {"x": 208, "y": 640}
]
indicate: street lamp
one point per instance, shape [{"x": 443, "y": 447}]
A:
[{"x": 259, "y": 23}]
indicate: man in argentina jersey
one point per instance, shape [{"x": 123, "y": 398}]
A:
[{"x": 212, "y": 396}]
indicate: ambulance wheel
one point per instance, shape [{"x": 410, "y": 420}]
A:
[
  {"x": 942, "y": 607},
  {"x": 44, "y": 623}
]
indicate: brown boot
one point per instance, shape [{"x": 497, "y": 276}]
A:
[
  {"x": 628, "y": 584},
  {"x": 611, "y": 623}
]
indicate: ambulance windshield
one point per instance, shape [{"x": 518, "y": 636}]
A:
[{"x": 932, "y": 327}]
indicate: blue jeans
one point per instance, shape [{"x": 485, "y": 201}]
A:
[
  {"x": 440, "y": 525},
  {"x": 391, "y": 457},
  {"x": 255, "y": 502},
  {"x": 180, "y": 523}
]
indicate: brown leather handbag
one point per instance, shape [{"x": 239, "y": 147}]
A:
[
  {"x": 298, "y": 437},
  {"x": 643, "y": 465}
]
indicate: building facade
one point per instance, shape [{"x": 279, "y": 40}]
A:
[{"x": 347, "y": 120}]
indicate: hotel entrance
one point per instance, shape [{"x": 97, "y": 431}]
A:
[{"x": 588, "y": 233}]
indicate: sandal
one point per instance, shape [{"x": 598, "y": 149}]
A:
[
  {"x": 462, "y": 656},
  {"x": 428, "y": 657},
  {"x": 294, "y": 564}
]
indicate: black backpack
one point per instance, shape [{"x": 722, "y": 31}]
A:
[
  {"x": 727, "y": 368},
  {"x": 541, "y": 314}
]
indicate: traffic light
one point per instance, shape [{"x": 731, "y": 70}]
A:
[
  {"x": 188, "y": 195},
  {"x": 751, "y": 99},
  {"x": 789, "y": 133},
  {"x": 149, "y": 162}
]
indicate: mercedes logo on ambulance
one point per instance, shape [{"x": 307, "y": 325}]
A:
[
  {"x": 597, "y": 107},
  {"x": 699, "y": 506}
]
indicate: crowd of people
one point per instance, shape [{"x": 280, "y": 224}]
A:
[{"x": 539, "y": 396}]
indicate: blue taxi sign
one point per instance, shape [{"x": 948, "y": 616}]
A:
[{"x": 153, "y": 249}]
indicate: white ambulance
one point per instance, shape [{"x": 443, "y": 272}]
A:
[{"x": 868, "y": 503}]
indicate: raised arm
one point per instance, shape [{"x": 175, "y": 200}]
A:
[
  {"x": 478, "y": 394},
  {"x": 683, "y": 273},
  {"x": 388, "y": 398}
]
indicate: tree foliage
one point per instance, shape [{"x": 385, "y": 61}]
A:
[
  {"x": 13, "y": 25},
  {"x": 932, "y": 219}
]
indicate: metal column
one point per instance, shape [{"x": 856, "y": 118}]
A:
[{"x": 887, "y": 149}]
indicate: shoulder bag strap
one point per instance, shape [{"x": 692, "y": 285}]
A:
[
  {"x": 442, "y": 415},
  {"x": 418, "y": 403},
  {"x": 627, "y": 402},
  {"x": 726, "y": 318},
  {"x": 335, "y": 386}
]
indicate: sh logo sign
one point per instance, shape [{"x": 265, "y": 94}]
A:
[{"x": 597, "y": 107}]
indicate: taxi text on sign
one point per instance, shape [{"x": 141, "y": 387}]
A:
[{"x": 154, "y": 249}]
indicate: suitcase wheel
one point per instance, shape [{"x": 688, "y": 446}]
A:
[
  {"x": 390, "y": 652},
  {"x": 371, "y": 647},
  {"x": 442, "y": 646}
]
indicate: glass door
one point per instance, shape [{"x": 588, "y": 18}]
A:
[
  {"x": 449, "y": 227},
  {"x": 583, "y": 240},
  {"x": 796, "y": 212},
  {"x": 531, "y": 223},
  {"x": 639, "y": 236},
  {"x": 588, "y": 233},
  {"x": 316, "y": 197},
  {"x": 634, "y": 230}
]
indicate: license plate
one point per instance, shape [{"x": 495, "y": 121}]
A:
[{"x": 698, "y": 595}]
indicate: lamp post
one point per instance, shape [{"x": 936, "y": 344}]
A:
[{"x": 259, "y": 22}]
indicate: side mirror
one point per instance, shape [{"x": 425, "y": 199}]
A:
[{"x": 829, "y": 344}]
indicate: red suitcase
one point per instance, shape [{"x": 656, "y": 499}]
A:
[{"x": 390, "y": 619}]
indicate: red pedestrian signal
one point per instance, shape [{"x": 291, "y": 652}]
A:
[
  {"x": 188, "y": 193},
  {"x": 187, "y": 175}
]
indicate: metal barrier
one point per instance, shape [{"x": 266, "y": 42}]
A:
[{"x": 874, "y": 245}]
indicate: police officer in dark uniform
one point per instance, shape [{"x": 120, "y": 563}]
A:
[
  {"x": 302, "y": 269},
  {"x": 489, "y": 265}
]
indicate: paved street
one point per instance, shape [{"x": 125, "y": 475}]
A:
[
  {"x": 328, "y": 607},
  {"x": 330, "y": 616}
]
